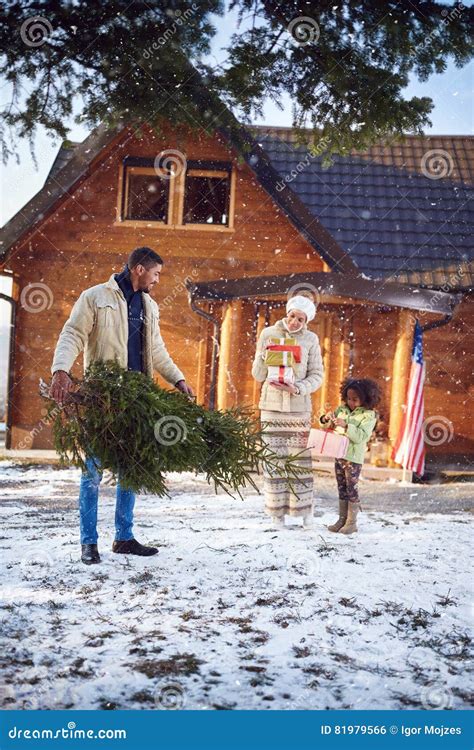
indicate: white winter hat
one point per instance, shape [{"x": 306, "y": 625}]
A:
[{"x": 303, "y": 304}]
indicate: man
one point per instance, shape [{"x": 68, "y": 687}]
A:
[{"x": 116, "y": 320}]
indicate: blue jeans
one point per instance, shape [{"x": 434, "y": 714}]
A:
[{"x": 89, "y": 500}]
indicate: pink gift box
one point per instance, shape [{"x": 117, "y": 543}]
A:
[
  {"x": 281, "y": 374},
  {"x": 328, "y": 443}
]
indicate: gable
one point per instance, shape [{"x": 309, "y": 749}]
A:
[
  {"x": 377, "y": 213},
  {"x": 61, "y": 183}
]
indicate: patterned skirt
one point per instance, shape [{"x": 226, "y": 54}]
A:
[{"x": 286, "y": 433}]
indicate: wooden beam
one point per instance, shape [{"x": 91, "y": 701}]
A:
[
  {"x": 326, "y": 350},
  {"x": 261, "y": 320},
  {"x": 343, "y": 285},
  {"x": 228, "y": 354},
  {"x": 201, "y": 370},
  {"x": 344, "y": 354}
]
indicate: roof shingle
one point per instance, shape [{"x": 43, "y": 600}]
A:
[{"x": 397, "y": 209}]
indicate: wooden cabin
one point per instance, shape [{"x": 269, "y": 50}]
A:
[{"x": 379, "y": 240}]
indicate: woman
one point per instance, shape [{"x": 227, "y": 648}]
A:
[{"x": 286, "y": 410}]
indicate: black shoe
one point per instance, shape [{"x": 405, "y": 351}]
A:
[
  {"x": 90, "y": 554},
  {"x": 132, "y": 547}
]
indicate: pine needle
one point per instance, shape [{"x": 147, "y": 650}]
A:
[{"x": 140, "y": 432}]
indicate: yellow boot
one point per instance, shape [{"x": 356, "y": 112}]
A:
[
  {"x": 350, "y": 527},
  {"x": 337, "y": 526}
]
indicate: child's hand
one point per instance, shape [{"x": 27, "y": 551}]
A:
[
  {"x": 328, "y": 417},
  {"x": 340, "y": 422}
]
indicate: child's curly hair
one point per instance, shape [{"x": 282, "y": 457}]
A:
[{"x": 368, "y": 391}]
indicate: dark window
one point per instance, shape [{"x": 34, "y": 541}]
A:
[
  {"x": 207, "y": 197},
  {"x": 147, "y": 195}
]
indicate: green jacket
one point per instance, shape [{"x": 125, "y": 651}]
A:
[{"x": 360, "y": 425}]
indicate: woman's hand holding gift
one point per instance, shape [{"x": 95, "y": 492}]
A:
[
  {"x": 340, "y": 422},
  {"x": 284, "y": 386}
]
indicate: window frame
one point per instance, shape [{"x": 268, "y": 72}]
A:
[
  {"x": 143, "y": 166},
  {"x": 176, "y": 193},
  {"x": 203, "y": 168}
]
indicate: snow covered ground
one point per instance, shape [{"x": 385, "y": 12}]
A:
[{"x": 232, "y": 613}]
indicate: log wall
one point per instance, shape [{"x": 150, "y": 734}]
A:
[{"x": 81, "y": 244}]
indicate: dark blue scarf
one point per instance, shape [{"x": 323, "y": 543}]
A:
[{"x": 135, "y": 320}]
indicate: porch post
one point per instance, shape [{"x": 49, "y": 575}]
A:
[
  {"x": 344, "y": 356},
  {"x": 326, "y": 347},
  {"x": 229, "y": 354},
  {"x": 400, "y": 372},
  {"x": 201, "y": 370},
  {"x": 260, "y": 325}
]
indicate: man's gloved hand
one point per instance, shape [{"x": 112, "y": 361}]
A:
[{"x": 182, "y": 386}]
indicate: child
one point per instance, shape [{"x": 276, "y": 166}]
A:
[{"x": 356, "y": 416}]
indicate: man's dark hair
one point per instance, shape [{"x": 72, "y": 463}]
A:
[
  {"x": 367, "y": 390},
  {"x": 143, "y": 256}
]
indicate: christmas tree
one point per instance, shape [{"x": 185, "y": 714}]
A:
[{"x": 141, "y": 431}]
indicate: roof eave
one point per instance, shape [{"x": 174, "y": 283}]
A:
[{"x": 353, "y": 286}]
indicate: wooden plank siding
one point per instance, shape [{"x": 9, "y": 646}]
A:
[{"x": 81, "y": 244}]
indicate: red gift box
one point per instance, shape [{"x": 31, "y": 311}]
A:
[{"x": 282, "y": 374}]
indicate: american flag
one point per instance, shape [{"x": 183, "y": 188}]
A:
[{"x": 409, "y": 448}]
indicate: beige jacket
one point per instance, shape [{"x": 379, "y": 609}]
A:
[
  {"x": 309, "y": 372},
  {"x": 98, "y": 325}
]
